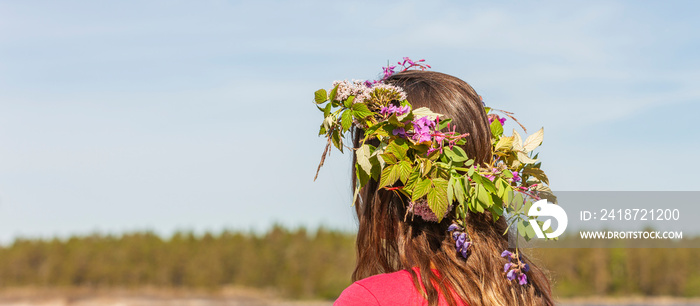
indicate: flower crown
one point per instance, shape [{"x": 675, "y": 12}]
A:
[{"x": 420, "y": 156}]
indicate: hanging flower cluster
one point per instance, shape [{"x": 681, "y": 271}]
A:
[
  {"x": 515, "y": 268},
  {"x": 462, "y": 242}
]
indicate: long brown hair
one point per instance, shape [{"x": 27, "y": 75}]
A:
[{"x": 387, "y": 242}]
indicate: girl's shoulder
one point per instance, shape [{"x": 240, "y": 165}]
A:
[{"x": 383, "y": 289}]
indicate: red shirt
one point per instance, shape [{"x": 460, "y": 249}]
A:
[{"x": 385, "y": 289}]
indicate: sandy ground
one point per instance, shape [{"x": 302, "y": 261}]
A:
[
  {"x": 156, "y": 297},
  {"x": 230, "y": 296}
]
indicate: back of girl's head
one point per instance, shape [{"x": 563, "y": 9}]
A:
[{"x": 389, "y": 239}]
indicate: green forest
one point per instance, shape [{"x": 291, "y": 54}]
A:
[{"x": 299, "y": 263}]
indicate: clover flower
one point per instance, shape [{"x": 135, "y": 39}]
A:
[
  {"x": 420, "y": 208},
  {"x": 355, "y": 88},
  {"x": 388, "y": 92}
]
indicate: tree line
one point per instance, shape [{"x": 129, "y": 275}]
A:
[{"x": 305, "y": 264}]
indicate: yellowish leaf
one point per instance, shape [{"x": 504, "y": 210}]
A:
[{"x": 533, "y": 141}]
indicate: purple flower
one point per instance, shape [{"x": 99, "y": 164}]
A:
[
  {"x": 465, "y": 248},
  {"x": 388, "y": 71},
  {"x": 460, "y": 240},
  {"x": 506, "y": 253},
  {"x": 453, "y": 227},
  {"x": 526, "y": 268},
  {"x": 493, "y": 117},
  {"x": 490, "y": 177},
  {"x": 422, "y": 128},
  {"x": 399, "y": 131},
  {"x": 400, "y": 110},
  {"x": 511, "y": 275},
  {"x": 455, "y": 235},
  {"x": 522, "y": 279},
  {"x": 516, "y": 176},
  {"x": 507, "y": 267}
]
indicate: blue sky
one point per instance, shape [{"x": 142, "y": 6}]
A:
[{"x": 169, "y": 115}]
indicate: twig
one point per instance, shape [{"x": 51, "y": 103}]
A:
[{"x": 323, "y": 157}]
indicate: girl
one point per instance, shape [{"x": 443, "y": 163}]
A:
[{"x": 405, "y": 260}]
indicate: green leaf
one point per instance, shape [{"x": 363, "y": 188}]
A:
[
  {"x": 362, "y": 176},
  {"x": 460, "y": 153},
  {"x": 390, "y": 175},
  {"x": 393, "y": 120},
  {"x": 467, "y": 186},
  {"x": 496, "y": 211},
  {"x": 437, "y": 198},
  {"x": 327, "y": 110},
  {"x": 521, "y": 228},
  {"x": 404, "y": 171},
  {"x": 413, "y": 178},
  {"x": 518, "y": 201},
  {"x": 505, "y": 143},
  {"x": 334, "y": 91},
  {"x": 478, "y": 206},
  {"x": 530, "y": 231},
  {"x": 443, "y": 123},
  {"x": 372, "y": 129},
  {"x": 500, "y": 187},
  {"x": 450, "y": 189},
  {"x": 320, "y": 96},
  {"x": 398, "y": 148},
  {"x": 488, "y": 184},
  {"x": 496, "y": 129},
  {"x": 470, "y": 172},
  {"x": 337, "y": 141},
  {"x": 376, "y": 171},
  {"x": 483, "y": 196},
  {"x": 507, "y": 174},
  {"x": 348, "y": 101},
  {"x": 389, "y": 158},
  {"x": 421, "y": 189},
  {"x": 360, "y": 110},
  {"x": 346, "y": 120},
  {"x": 458, "y": 190}
]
